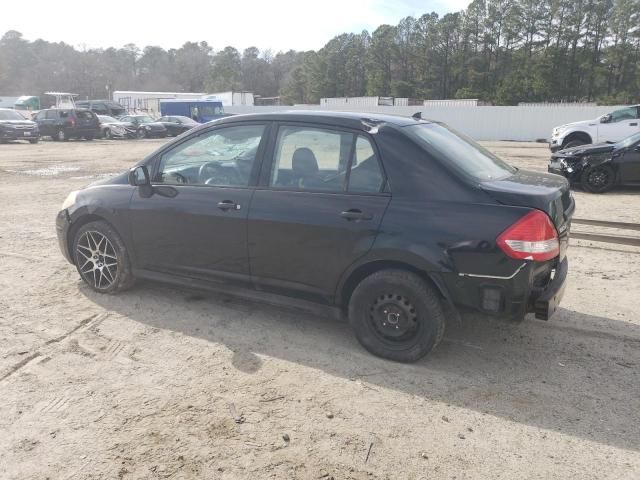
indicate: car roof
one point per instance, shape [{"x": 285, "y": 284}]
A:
[{"x": 356, "y": 120}]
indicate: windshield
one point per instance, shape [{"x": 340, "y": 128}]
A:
[
  {"x": 461, "y": 152},
  {"x": 106, "y": 119},
  {"x": 144, "y": 119},
  {"x": 627, "y": 142},
  {"x": 10, "y": 115}
]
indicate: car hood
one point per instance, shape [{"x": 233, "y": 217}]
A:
[
  {"x": 544, "y": 191},
  {"x": 581, "y": 123},
  {"x": 17, "y": 122},
  {"x": 118, "y": 124},
  {"x": 585, "y": 150}
]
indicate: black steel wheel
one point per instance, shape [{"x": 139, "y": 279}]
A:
[
  {"x": 397, "y": 315},
  {"x": 598, "y": 179},
  {"x": 101, "y": 258}
]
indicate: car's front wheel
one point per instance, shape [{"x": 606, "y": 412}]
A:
[
  {"x": 597, "y": 179},
  {"x": 101, "y": 258},
  {"x": 396, "y": 315}
]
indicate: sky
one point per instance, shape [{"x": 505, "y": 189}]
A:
[{"x": 266, "y": 24}]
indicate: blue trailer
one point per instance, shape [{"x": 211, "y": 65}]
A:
[{"x": 201, "y": 111}]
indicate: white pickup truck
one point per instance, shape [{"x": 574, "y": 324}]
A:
[{"x": 611, "y": 127}]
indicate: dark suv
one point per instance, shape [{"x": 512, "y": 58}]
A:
[
  {"x": 65, "y": 123},
  {"x": 397, "y": 223},
  {"x": 14, "y": 126}
]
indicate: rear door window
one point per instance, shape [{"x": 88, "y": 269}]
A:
[
  {"x": 310, "y": 158},
  {"x": 365, "y": 175},
  {"x": 52, "y": 114}
]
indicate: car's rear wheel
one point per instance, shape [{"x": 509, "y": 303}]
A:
[
  {"x": 101, "y": 258},
  {"x": 142, "y": 133},
  {"x": 34, "y": 140},
  {"x": 88, "y": 137},
  {"x": 396, "y": 315},
  {"x": 597, "y": 179}
]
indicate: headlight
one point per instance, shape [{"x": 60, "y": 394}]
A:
[
  {"x": 69, "y": 201},
  {"x": 147, "y": 127},
  {"x": 558, "y": 130}
]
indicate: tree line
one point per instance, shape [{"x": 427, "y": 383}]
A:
[{"x": 501, "y": 51}]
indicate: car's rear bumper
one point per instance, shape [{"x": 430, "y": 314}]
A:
[
  {"x": 19, "y": 135},
  {"x": 532, "y": 287},
  {"x": 63, "y": 224},
  {"x": 547, "y": 301}
]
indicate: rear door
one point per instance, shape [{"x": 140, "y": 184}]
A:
[{"x": 317, "y": 210}]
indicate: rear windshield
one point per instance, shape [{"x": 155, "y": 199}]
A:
[
  {"x": 10, "y": 115},
  {"x": 462, "y": 153},
  {"x": 85, "y": 115}
]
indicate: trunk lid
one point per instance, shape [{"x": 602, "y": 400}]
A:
[{"x": 547, "y": 192}]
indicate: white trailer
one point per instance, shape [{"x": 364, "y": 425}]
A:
[
  {"x": 148, "y": 102},
  {"x": 231, "y": 98}
]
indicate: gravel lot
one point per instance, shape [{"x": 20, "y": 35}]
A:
[{"x": 164, "y": 383}]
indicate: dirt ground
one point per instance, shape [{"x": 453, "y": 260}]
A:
[{"x": 164, "y": 383}]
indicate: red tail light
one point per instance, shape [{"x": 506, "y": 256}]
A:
[
  {"x": 72, "y": 122},
  {"x": 533, "y": 237}
]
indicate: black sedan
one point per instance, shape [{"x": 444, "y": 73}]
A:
[
  {"x": 14, "y": 126},
  {"x": 146, "y": 127},
  {"x": 177, "y": 125},
  {"x": 599, "y": 167},
  {"x": 396, "y": 223}
]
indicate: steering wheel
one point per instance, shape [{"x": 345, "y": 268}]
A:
[{"x": 206, "y": 171}]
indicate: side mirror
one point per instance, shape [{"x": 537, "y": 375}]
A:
[
  {"x": 605, "y": 118},
  {"x": 139, "y": 176}
]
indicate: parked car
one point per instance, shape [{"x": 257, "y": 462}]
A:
[
  {"x": 14, "y": 126},
  {"x": 146, "y": 126},
  {"x": 65, "y": 123},
  {"x": 103, "y": 107},
  {"x": 397, "y": 223},
  {"x": 112, "y": 128},
  {"x": 612, "y": 127},
  {"x": 599, "y": 167},
  {"x": 176, "y": 124}
]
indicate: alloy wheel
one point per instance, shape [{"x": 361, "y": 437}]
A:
[
  {"x": 598, "y": 178},
  {"x": 98, "y": 259}
]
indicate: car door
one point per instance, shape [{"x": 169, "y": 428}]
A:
[
  {"x": 194, "y": 225},
  {"x": 307, "y": 224},
  {"x": 629, "y": 164},
  {"x": 41, "y": 120},
  {"x": 621, "y": 124}
]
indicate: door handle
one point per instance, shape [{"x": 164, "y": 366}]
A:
[
  {"x": 635, "y": 124},
  {"x": 355, "y": 214},
  {"x": 228, "y": 205}
]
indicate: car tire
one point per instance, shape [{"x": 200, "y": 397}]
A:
[
  {"x": 107, "y": 134},
  {"x": 61, "y": 136},
  {"x": 34, "y": 141},
  {"x": 142, "y": 133},
  {"x": 101, "y": 258},
  {"x": 574, "y": 143},
  {"x": 88, "y": 137},
  {"x": 396, "y": 315},
  {"x": 597, "y": 179}
]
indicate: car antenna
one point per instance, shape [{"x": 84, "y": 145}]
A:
[{"x": 417, "y": 116}]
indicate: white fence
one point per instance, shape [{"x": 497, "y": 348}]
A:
[{"x": 481, "y": 123}]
